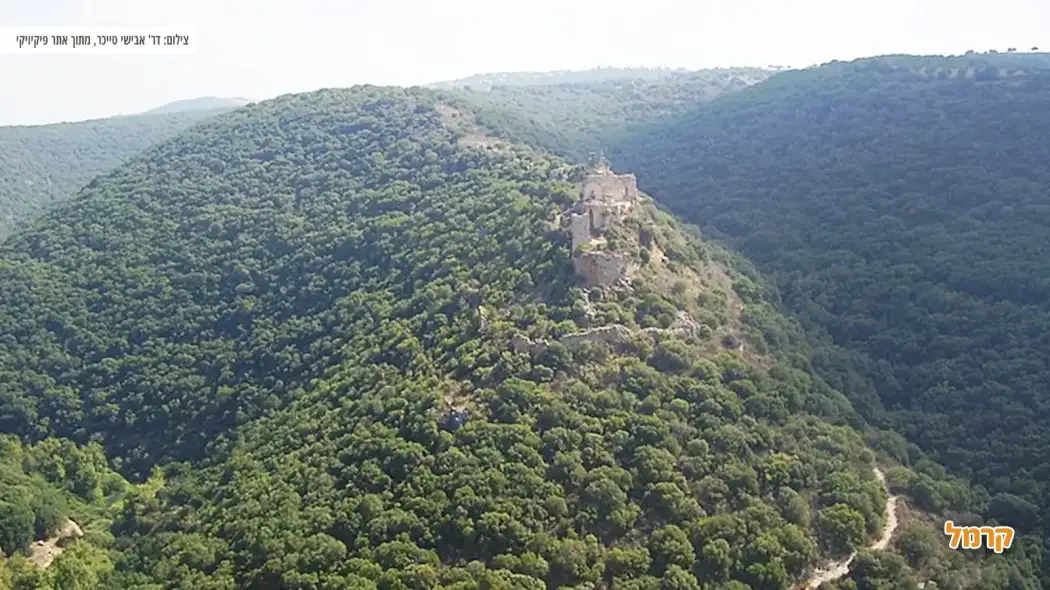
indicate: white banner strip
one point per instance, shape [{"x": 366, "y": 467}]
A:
[{"x": 97, "y": 41}]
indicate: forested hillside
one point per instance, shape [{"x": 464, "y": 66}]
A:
[
  {"x": 43, "y": 164},
  {"x": 301, "y": 317},
  {"x": 902, "y": 206}
]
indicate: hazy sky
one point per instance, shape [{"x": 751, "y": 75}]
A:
[{"x": 261, "y": 48}]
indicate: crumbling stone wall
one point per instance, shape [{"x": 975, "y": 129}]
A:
[
  {"x": 606, "y": 334},
  {"x": 590, "y": 218},
  {"x": 604, "y": 215},
  {"x": 600, "y": 268},
  {"x": 580, "y": 226},
  {"x": 522, "y": 343},
  {"x": 684, "y": 325},
  {"x": 611, "y": 334},
  {"x": 609, "y": 187}
]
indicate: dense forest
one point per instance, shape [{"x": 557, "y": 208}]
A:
[
  {"x": 283, "y": 348},
  {"x": 900, "y": 205},
  {"x": 43, "y": 164},
  {"x": 291, "y": 327}
]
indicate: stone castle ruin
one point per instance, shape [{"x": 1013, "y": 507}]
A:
[
  {"x": 606, "y": 203},
  {"x": 605, "y": 198}
]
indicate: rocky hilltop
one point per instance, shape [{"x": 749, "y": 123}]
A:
[{"x": 619, "y": 250}]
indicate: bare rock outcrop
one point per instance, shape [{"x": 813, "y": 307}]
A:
[
  {"x": 43, "y": 553},
  {"x": 684, "y": 325}
]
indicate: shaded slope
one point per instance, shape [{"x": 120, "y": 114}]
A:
[
  {"x": 902, "y": 207},
  {"x": 293, "y": 296},
  {"x": 43, "y": 164},
  {"x": 905, "y": 214}
]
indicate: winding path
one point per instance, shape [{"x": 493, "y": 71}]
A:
[{"x": 837, "y": 569}]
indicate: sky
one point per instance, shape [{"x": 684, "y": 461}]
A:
[{"x": 259, "y": 49}]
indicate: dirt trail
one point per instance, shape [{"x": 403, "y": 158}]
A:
[{"x": 837, "y": 569}]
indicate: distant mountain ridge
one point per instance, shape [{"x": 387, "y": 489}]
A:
[
  {"x": 202, "y": 103},
  {"x": 572, "y": 117},
  {"x": 485, "y": 82},
  {"x": 45, "y": 164}
]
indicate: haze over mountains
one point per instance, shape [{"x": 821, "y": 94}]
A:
[
  {"x": 387, "y": 338},
  {"x": 203, "y": 103},
  {"x": 487, "y": 81}
]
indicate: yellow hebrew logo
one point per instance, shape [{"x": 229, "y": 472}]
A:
[{"x": 996, "y": 538}]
